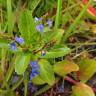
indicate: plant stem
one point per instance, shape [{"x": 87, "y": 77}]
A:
[
  {"x": 26, "y": 75},
  {"x": 58, "y": 15},
  {"x": 9, "y": 72},
  {"x": 3, "y": 59},
  {"x": 9, "y": 13},
  {"x": 94, "y": 89},
  {"x": 82, "y": 44},
  {"x": 70, "y": 80}
]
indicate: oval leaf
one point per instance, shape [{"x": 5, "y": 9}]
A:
[
  {"x": 59, "y": 52},
  {"x": 82, "y": 90},
  {"x": 38, "y": 80},
  {"x": 87, "y": 69},
  {"x": 46, "y": 71},
  {"x": 21, "y": 63},
  {"x": 27, "y": 26},
  {"x": 65, "y": 67}
]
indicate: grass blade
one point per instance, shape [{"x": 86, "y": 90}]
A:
[
  {"x": 33, "y": 4},
  {"x": 9, "y": 13},
  {"x": 73, "y": 26},
  {"x": 58, "y": 15}
]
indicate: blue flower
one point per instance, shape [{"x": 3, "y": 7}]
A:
[
  {"x": 49, "y": 22},
  {"x": 13, "y": 46},
  {"x": 40, "y": 28},
  {"x": 43, "y": 53},
  {"x": 34, "y": 73},
  {"x": 19, "y": 40},
  {"x": 35, "y": 67},
  {"x": 34, "y": 64},
  {"x": 37, "y": 19}
]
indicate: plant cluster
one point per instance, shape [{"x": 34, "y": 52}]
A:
[{"x": 39, "y": 46}]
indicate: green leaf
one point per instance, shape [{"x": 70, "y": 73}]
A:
[
  {"x": 38, "y": 80},
  {"x": 58, "y": 14},
  {"x": 65, "y": 67},
  {"x": 4, "y": 43},
  {"x": 87, "y": 69},
  {"x": 46, "y": 71},
  {"x": 21, "y": 62},
  {"x": 56, "y": 53},
  {"x": 54, "y": 36},
  {"x": 32, "y": 4},
  {"x": 9, "y": 13},
  {"x": 82, "y": 90},
  {"x": 27, "y": 26}
]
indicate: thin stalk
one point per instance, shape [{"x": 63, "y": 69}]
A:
[
  {"x": 9, "y": 13},
  {"x": 70, "y": 80},
  {"x": 38, "y": 1},
  {"x": 25, "y": 83},
  {"x": 58, "y": 14},
  {"x": 82, "y": 44},
  {"x": 9, "y": 72},
  {"x": 0, "y": 27},
  {"x": 3, "y": 59},
  {"x": 3, "y": 55}
]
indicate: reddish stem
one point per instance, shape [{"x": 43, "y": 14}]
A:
[
  {"x": 67, "y": 78},
  {"x": 78, "y": 75},
  {"x": 70, "y": 80},
  {"x": 94, "y": 89}
]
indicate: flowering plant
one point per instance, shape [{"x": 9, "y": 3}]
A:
[{"x": 34, "y": 50}]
